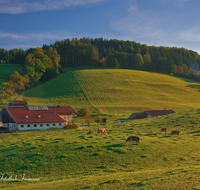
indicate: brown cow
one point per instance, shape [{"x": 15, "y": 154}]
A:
[
  {"x": 101, "y": 130},
  {"x": 174, "y": 133},
  {"x": 133, "y": 138},
  {"x": 164, "y": 130},
  {"x": 89, "y": 133}
]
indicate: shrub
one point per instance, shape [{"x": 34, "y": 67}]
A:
[
  {"x": 71, "y": 126},
  {"x": 84, "y": 112}
]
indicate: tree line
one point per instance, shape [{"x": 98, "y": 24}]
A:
[
  {"x": 47, "y": 62},
  {"x": 38, "y": 64}
]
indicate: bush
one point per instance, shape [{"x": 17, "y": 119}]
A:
[
  {"x": 71, "y": 126},
  {"x": 84, "y": 112}
]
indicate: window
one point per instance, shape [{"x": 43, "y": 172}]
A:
[
  {"x": 67, "y": 117},
  {"x": 41, "y": 125},
  {"x": 54, "y": 124},
  {"x": 28, "y": 125},
  {"x": 35, "y": 125},
  {"x": 64, "y": 117},
  {"x": 22, "y": 125},
  {"x": 47, "y": 124},
  {"x": 59, "y": 124}
]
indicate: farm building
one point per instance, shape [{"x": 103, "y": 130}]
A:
[
  {"x": 149, "y": 114},
  {"x": 36, "y": 117},
  {"x": 146, "y": 114},
  {"x": 19, "y": 103}
]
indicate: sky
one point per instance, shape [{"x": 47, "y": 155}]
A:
[{"x": 31, "y": 23}]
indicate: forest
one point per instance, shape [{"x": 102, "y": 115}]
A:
[{"x": 41, "y": 64}]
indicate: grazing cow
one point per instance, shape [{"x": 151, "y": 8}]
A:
[
  {"x": 133, "y": 138},
  {"x": 164, "y": 130},
  {"x": 89, "y": 133},
  {"x": 101, "y": 130},
  {"x": 174, "y": 133}
]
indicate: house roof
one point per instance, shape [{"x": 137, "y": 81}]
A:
[
  {"x": 19, "y": 103},
  {"x": 24, "y": 115},
  {"x": 152, "y": 113},
  {"x": 63, "y": 109},
  {"x": 133, "y": 115},
  {"x": 159, "y": 112}
]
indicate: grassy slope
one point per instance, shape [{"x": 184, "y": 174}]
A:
[
  {"x": 118, "y": 91},
  {"x": 70, "y": 159},
  {"x": 6, "y": 70}
]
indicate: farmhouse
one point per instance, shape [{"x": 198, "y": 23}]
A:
[{"x": 36, "y": 117}]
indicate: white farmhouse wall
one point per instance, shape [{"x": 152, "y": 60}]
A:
[
  {"x": 38, "y": 126},
  {"x": 10, "y": 126}
]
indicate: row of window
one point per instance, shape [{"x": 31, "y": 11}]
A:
[{"x": 41, "y": 125}]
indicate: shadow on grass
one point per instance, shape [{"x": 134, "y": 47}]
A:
[
  {"x": 112, "y": 181},
  {"x": 194, "y": 132},
  {"x": 31, "y": 155},
  {"x": 31, "y": 148},
  {"x": 140, "y": 184},
  {"x": 151, "y": 134},
  {"x": 59, "y": 157},
  {"x": 194, "y": 86},
  {"x": 79, "y": 148},
  {"x": 82, "y": 137},
  {"x": 113, "y": 146},
  {"x": 165, "y": 136}
]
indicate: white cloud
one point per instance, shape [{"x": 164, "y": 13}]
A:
[
  {"x": 38, "y": 36},
  {"x": 159, "y": 29},
  {"x": 191, "y": 34},
  {"x": 23, "y": 6}
]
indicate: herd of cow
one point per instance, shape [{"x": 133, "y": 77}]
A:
[{"x": 133, "y": 138}]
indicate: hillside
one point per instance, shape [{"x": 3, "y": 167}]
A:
[
  {"x": 117, "y": 91},
  {"x": 70, "y": 159},
  {"x": 6, "y": 71}
]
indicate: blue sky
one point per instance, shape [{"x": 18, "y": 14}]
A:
[{"x": 32, "y": 23}]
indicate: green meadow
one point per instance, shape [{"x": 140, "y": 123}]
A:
[
  {"x": 71, "y": 159},
  {"x": 6, "y": 70},
  {"x": 117, "y": 91}
]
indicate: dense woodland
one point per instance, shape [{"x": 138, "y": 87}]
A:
[{"x": 47, "y": 62}]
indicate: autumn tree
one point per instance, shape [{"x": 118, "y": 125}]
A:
[
  {"x": 97, "y": 119},
  {"x": 17, "y": 81},
  {"x": 85, "y": 111},
  {"x": 94, "y": 56}
]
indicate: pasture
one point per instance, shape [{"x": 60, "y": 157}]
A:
[
  {"x": 6, "y": 70},
  {"x": 71, "y": 159},
  {"x": 117, "y": 91}
]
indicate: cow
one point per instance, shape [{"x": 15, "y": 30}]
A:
[
  {"x": 174, "y": 133},
  {"x": 101, "y": 130},
  {"x": 133, "y": 138},
  {"x": 89, "y": 133},
  {"x": 163, "y": 130}
]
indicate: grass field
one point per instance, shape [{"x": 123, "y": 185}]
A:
[
  {"x": 117, "y": 91},
  {"x": 70, "y": 159},
  {"x": 6, "y": 70}
]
